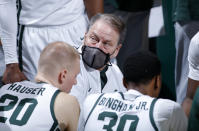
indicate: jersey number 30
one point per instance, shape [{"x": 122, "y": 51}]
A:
[
  {"x": 122, "y": 121},
  {"x": 12, "y": 102}
]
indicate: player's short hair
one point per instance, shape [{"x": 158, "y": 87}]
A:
[
  {"x": 141, "y": 67},
  {"x": 114, "y": 21},
  {"x": 57, "y": 55}
]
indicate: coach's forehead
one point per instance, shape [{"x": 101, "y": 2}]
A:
[{"x": 105, "y": 30}]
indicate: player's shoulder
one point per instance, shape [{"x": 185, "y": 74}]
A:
[
  {"x": 66, "y": 108},
  {"x": 69, "y": 99},
  {"x": 167, "y": 102},
  {"x": 166, "y": 106},
  {"x": 66, "y": 103}
]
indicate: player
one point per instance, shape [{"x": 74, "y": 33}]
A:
[
  {"x": 137, "y": 109},
  {"x": 45, "y": 105}
]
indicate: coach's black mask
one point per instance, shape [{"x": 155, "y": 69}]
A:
[{"x": 94, "y": 57}]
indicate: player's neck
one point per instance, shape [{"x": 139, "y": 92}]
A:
[
  {"x": 40, "y": 78},
  {"x": 141, "y": 88}
]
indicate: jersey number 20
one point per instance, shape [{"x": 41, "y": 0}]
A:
[{"x": 13, "y": 101}]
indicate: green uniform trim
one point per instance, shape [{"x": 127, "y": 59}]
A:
[
  {"x": 20, "y": 48},
  {"x": 1, "y": 82},
  {"x": 151, "y": 114},
  {"x": 122, "y": 95},
  {"x": 19, "y": 10},
  {"x": 103, "y": 77},
  {"x": 20, "y": 34},
  {"x": 55, "y": 124},
  {"x": 93, "y": 108}
]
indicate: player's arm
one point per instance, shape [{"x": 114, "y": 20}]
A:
[
  {"x": 67, "y": 111},
  {"x": 187, "y": 103},
  {"x": 193, "y": 117},
  {"x": 8, "y": 32},
  {"x": 93, "y": 7},
  {"x": 193, "y": 76}
]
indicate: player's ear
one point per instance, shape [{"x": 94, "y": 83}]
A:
[
  {"x": 159, "y": 81},
  {"x": 157, "y": 85},
  {"x": 62, "y": 76},
  {"x": 59, "y": 78},
  {"x": 124, "y": 83}
]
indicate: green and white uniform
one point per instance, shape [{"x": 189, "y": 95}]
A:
[
  {"x": 28, "y": 106},
  {"x": 131, "y": 111}
]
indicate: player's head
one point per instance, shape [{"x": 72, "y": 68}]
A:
[
  {"x": 59, "y": 64},
  {"x": 142, "y": 72},
  {"x": 103, "y": 36}
]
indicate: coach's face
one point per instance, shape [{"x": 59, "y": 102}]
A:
[{"x": 101, "y": 35}]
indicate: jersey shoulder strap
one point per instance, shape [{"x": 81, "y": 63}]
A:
[
  {"x": 93, "y": 108},
  {"x": 151, "y": 114},
  {"x": 55, "y": 126}
]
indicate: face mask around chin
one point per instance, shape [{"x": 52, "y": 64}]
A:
[{"x": 94, "y": 57}]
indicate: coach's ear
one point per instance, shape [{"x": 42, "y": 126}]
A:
[
  {"x": 115, "y": 53},
  {"x": 84, "y": 39}
]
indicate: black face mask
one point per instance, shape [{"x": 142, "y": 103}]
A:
[{"x": 94, "y": 57}]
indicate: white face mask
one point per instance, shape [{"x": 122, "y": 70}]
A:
[{"x": 94, "y": 57}]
